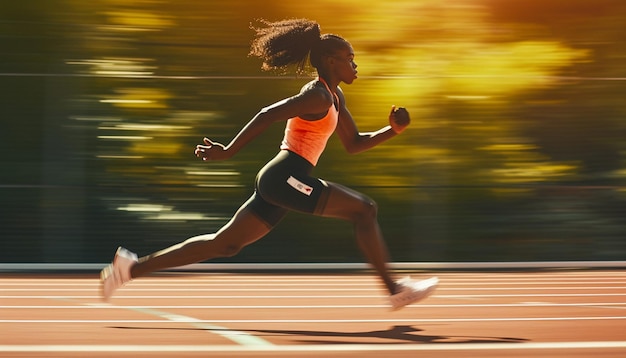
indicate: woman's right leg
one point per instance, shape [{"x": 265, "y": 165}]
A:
[{"x": 243, "y": 229}]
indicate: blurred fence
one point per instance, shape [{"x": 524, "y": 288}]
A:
[{"x": 516, "y": 150}]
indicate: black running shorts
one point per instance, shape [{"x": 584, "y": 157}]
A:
[{"x": 285, "y": 184}]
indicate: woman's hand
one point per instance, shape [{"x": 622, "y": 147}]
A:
[
  {"x": 399, "y": 119},
  {"x": 211, "y": 150}
]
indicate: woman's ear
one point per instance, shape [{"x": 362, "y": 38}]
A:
[{"x": 330, "y": 60}]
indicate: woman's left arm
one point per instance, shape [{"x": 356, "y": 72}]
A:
[{"x": 355, "y": 141}]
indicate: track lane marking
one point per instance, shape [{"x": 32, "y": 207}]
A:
[
  {"x": 303, "y": 282},
  {"x": 149, "y": 307},
  {"x": 307, "y": 297},
  {"x": 298, "y": 289},
  {"x": 238, "y": 337},
  {"x": 242, "y": 338},
  {"x": 390, "y": 320},
  {"x": 311, "y": 348}
]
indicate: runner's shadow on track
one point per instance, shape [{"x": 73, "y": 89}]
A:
[
  {"x": 399, "y": 334},
  {"x": 396, "y": 334}
]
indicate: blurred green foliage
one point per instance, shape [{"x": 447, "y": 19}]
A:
[{"x": 516, "y": 149}]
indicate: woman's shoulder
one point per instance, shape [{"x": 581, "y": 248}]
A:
[{"x": 316, "y": 90}]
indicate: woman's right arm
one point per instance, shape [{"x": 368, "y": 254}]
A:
[{"x": 307, "y": 102}]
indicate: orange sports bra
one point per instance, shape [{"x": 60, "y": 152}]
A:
[{"x": 308, "y": 138}]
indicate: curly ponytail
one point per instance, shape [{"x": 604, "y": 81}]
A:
[{"x": 290, "y": 42}]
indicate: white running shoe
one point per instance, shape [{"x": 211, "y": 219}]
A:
[
  {"x": 412, "y": 291},
  {"x": 116, "y": 274}
]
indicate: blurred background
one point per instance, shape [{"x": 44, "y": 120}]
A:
[{"x": 517, "y": 149}]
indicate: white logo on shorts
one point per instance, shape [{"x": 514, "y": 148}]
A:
[{"x": 299, "y": 186}]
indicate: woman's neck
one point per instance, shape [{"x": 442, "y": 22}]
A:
[{"x": 332, "y": 84}]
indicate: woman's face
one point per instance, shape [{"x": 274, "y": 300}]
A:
[{"x": 343, "y": 66}]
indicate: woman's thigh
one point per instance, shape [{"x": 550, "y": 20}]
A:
[{"x": 345, "y": 203}]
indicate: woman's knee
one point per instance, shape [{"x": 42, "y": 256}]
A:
[
  {"x": 230, "y": 250},
  {"x": 371, "y": 207},
  {"x": 242, "y": 230},
  {"x": 350, "y": 205},
  {"x": 366, "y": 210}
]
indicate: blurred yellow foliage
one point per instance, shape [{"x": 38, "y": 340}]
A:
[{"x": 138, "y": 19}]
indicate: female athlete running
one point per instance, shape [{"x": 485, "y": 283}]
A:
[{"x": 285, "y": 183}]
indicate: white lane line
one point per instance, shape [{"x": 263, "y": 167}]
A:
[
  {"x": 272, "y": 283},
  {"x": 533, "y": 295},
  {"x": 238, "y": 337},
  {"x": 192, "y": 297},
  {"x": 413, "y": 320},
  {"x": 150, "y": 307},
  {"x": 207, "y": 277},
  {"x": 271, "y": 289},
  {"x": 309, "y": 347},
  {"x": 204, "y": 297}
]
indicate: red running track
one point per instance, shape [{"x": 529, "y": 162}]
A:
[{"x": 574, "y": 313}]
